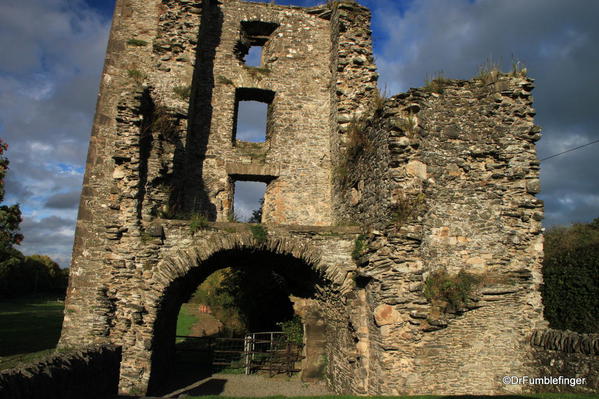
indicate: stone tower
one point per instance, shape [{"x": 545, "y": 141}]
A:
[{"x": 367, "y": 199}]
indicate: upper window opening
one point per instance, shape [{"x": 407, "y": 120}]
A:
[
  {"x": 251, "y": 115},
  {"x": 254, "y": 57},
  {"x": 251, "y": 121},
  {"x": 254, "y": 35}
]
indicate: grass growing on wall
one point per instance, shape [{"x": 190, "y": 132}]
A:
[{"x": 450, "y": 292}]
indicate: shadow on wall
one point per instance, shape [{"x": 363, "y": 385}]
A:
[{"x": 190, "y": 194}]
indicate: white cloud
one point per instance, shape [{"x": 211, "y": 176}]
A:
[
  {"x": 556, "y": 41},
  {"x": 53, "y": 52}
]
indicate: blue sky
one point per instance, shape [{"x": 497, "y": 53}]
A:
[{"x": 53, "y": 51}]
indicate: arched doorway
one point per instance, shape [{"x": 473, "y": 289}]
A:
[
  {"x": 149, "y": 348},
  {"x": 266, "y": 280}
]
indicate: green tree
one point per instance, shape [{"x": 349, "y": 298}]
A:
[
  {"x": 571, "y": 277},
  {"x": 10, "y": 216},
  {"x": 257, "y": 214}
]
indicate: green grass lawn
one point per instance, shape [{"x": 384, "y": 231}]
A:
[
  {"x": 29, "y": 328},
  {"x": 185, "y": 320},
  {"x": 522, "y": 396}
]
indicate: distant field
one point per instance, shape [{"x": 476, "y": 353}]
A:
[{"x": 29, "y": 328}]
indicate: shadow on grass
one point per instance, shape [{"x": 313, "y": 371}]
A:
[{"x": 29, "y": 325}]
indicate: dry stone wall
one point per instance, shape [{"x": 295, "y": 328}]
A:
[
  {"x": 444, "y": 178},
  {"x": 92, "y": 372},
  {"x": 567, "y": 354}
]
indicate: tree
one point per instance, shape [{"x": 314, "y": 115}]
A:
[
  {"x": 257, "y": 214},
  {"x": 571, "y": 277},
  {"x": 10, "y": 216}
]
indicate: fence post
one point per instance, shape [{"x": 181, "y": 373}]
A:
[{"x": 246, "y": 349}]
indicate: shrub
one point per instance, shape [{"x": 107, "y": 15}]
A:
[
  {"x": 259, "y": 232},
  {"x": 450, "y": 292},
  {"x": 359, "y": 247},
  {"x": 571, "y": 277},
  {"x": 294, "y": 329},
  {"x": 165, "y": 123},
  {"x": 198, "y": 222},
  {"x": 359, "y": 142},
  {"x": 406, "y": 208}
]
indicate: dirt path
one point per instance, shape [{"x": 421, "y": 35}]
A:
[
  {"x": 206, "y": 325},
  {"x": 250, "y": 386}
]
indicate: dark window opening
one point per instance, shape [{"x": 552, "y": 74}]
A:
[
  {"x": 248, "y": 200},
  {"x": 253, "y": 37},
  {"x": 252, "y": 108}
]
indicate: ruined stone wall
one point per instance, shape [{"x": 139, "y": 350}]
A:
[
  {"x": 91, "y": 372},
  {"x": 452, "y": 188},
  {"x": 163, "y": 134},
  {"x": 353, "y": 79},
  {"x": 567, "y": 354},
  {"x": 442, "y": 177}
]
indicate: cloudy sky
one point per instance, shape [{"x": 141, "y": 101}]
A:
[{"x": 51, "y": 55}]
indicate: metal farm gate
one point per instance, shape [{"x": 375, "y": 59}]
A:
[{"x": 260, "y": 351}]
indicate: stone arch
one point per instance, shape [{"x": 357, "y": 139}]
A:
[
  {"x": 176, "y": 276},
  {"x": 182, "y": 261}
]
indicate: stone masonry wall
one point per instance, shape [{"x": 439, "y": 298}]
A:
[
  {"x": 91, "y": 372},
  {"x": 567, "y": 354},
  {"x": 442, "y": 177},
  {"x": 453, "y": 188}
]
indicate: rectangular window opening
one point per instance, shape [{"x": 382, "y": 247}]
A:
[
  {"x": 253, "y": 37},
  {"x": 254, "y": 57},
  {"x": 248, "y": 201},
  {"x": 252, "y": 115},
  {"x": 251, "y": 121}
]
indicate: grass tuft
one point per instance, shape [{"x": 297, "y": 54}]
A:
[
  {"x": 136, "y": 75},
  {"x": 437, "y": 83},
  {"x": 259, "y": 233},
  {"x": 198, "y": 222},
  {"x": 182, "y": 92},
  {"x": 137, "y": 42}
]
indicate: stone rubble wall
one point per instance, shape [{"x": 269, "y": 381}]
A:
[
  {"x": 447, "y": 179},
  {"x": 354, "y": 77},
  {"x": 91, "y": 372},
  {"x": 568, "y": 354}
]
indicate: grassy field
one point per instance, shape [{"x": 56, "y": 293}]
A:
[
  {"x": 523, "y": 396},
  {"x": 29, "y": 328},
  {"x": 185, "y": 320}
]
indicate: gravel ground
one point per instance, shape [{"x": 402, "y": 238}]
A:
[{"x": 250, "y": 386}]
